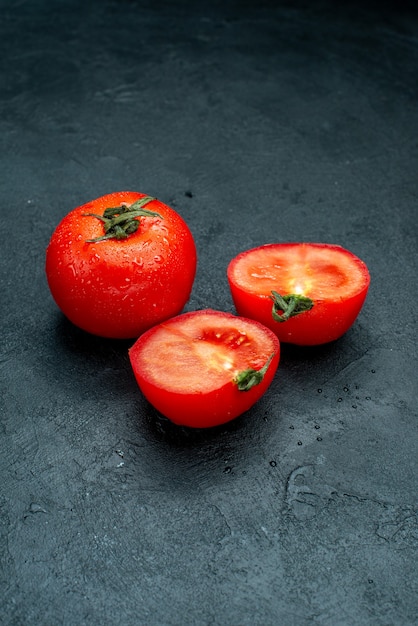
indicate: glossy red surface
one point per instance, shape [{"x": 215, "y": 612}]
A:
[
  {"x": 187, "y": 367},
  {"x": 120, "y": 288},
  {"x": 334, "y": 279}
]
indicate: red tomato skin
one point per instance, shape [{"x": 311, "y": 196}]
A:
[
  {"x": 324, "y": 323},
  {"x": 327, "y": 321},
  {"x": 120, "y": 288},
  {"x": 203, "y": 410}
]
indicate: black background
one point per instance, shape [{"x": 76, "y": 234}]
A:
[{"x": 257, "y": 122}]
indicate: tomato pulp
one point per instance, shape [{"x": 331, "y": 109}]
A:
[
  {"x": 120, "y": 282},
  {"x": 205, "y": 368},
  {"x": 323, "y": 285}
]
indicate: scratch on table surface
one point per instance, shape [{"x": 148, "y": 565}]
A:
[
  {"x": 306, "y": 495},
  {"x": 224, "y": 518},
  {"x": 348, "y": 366}
]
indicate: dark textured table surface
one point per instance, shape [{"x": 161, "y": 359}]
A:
[{"x": 257, "y": 122}]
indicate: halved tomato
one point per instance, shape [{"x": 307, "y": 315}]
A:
[
  {"x": 307, "y": 293},
  {"x": 205, "y": 368}
]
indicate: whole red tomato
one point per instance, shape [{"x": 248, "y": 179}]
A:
[
  {"x": 120, "y": 264},
  {"x": 307, "y": 293},
  {"x": 205, "y": 368}
]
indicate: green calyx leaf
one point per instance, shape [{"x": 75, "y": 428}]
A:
[
  {"x": 120, "y": 222},
  {"x": 247, "y": 379},
  {"x": 290, "y": 305}
]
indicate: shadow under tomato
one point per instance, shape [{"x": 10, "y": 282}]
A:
[
  {"x": 75, "y": 341},
  {"x": 355, "y": 340},
  {"x": 304, "y": 367},
  {"x": 164, "y": 430},
  {"x": 290, "y": 352}
]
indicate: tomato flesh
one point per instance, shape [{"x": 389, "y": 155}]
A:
[
  {"x": 333, "y": 278},
  {"x": 120, "y": 288},
  {"x": 186, "y": 366}
]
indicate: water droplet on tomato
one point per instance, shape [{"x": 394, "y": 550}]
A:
[
  {"x": 125, "y": 285},
  {"x": 158, "y": 258},
  {"x": 138, "y": 262}
]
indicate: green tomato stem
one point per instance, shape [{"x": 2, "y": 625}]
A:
[
  {"x": 120, "y": 222},
  {"x": 247, "y": 379},
  {"x": 289, "y": 305}
]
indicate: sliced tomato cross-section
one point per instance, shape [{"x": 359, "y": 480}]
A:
[
  {"x": 307, "y": 293},
  {"x": 205, "y": 368}
]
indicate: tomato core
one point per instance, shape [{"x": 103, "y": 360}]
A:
[
  {"x": 313, "y": 270},
  {"x": 210, "y": 356}
]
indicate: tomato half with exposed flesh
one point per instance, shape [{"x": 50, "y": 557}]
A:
[
  {"x": 120, "y": 264},
  {"x": 307, "y": 293},
  {"x": 205, "y": 368}
]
